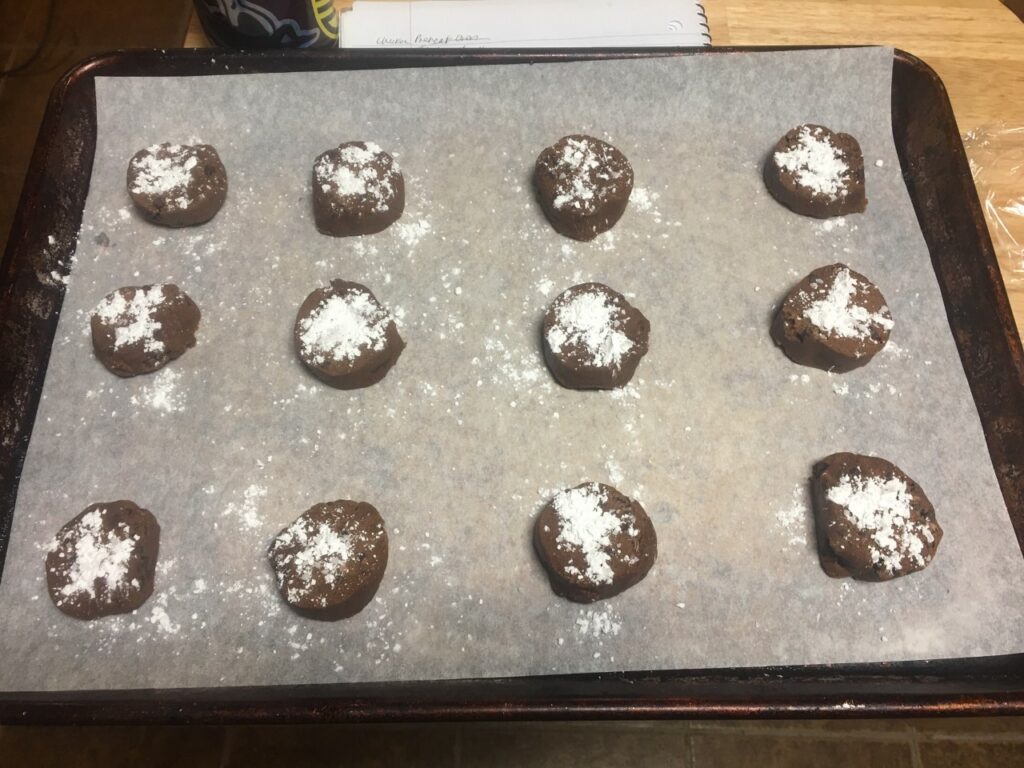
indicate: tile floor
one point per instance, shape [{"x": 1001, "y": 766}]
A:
[{"x": 80, "y": 28}]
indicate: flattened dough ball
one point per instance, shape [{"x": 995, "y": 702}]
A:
[
  {"x": 817, "y": 172},
  {"x": 330, "y": 561},
  {"x": 104, "y": 561},
  {"x": 358, "y": 189},
  {"x": 593, "y": 338},
  {"x": 834, "y": 319},
  {"x": 582, "y": 185},
  {"x": 345, "y": 337},
  {"x": 594, "y": 542},
  {"x": 139, "y": 329},
  {"x": 874, "y": 523},
  {"x": 177, "y": 185}
]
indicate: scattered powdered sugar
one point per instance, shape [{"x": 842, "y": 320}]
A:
[
  {"x": 133, "y": 320},
  {"x": 245, "y": 510},
  {"x": 815, "y": 163},
  {"x": 411, "y": 232},
  {"x": 342, "y": 326},
  {"x": 322, "y": 551},
  {"x": 99, "y": 555},
  {"x": 646, "y": 201},
  {"x": 164, "y": 169},
  {"x": 162, "y": 394},
  {"x": 585, "y": 525},
  {"x": 587, "y": 319},
  {"x": 829, "y": 225},
  {"x": 881, "y": 508},
  {"x": 793, "y": 519},
  {"x": 837, "y": 314},
  {"x": 598, "y": 623},
  {"x": 162, "y": 620},
  {"x": 368, "y": 172}
]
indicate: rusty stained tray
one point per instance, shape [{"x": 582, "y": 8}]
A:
[{"x": 939, "y": 181}]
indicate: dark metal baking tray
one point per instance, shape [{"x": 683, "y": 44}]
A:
[{"x": 937, "y": 175}]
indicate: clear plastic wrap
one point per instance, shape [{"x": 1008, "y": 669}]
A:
[{"x": 996, "y": 155}]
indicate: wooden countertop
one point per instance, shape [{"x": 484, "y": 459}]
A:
[{"x": 976, "y": 46}]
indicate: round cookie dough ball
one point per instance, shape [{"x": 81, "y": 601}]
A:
[
  {"x": 582, "y": 185},
  {"x": 177, "y": 185},
  {"x": 139, "y": 329},
  {"x": 358, "y": 189},
  {"x": 816, "y": 172},
  {"x": 594, "y": 542},
  {"x": 593, "y": 338},
  {"x": 834, "y": 319},
  {"x": 873, "y": 522},
  {"x": 345, "y": 337},
  {"x": 330, "y": 561},
  {"x": 103, "y": 561}
]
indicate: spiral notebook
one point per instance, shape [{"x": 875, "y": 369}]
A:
[{"x": 523, "y": 24}]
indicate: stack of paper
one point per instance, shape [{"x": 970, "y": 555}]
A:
[{"x": 523, "y": 24}]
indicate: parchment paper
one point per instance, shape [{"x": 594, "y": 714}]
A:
[{"x": 468, "y": 436}]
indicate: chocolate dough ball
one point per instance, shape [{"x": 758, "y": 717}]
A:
[
  {"x": 345, "y": 337},
  {"x": 177, "y": 185},
  {"x": 103, "y": 561},
  {"x": 593, "y": 338},
  {"x": 139, "y": 329},
  {"x": 330, "y": 561},
  {"x": 873, "y": 522},
  {"x": 583, "y": 185},
  {"x": 834, "y": 319},
  {"x": 816, "y": 172},
  {"x": 594, "y": 542},
  {"x": 358, "y": 189}
]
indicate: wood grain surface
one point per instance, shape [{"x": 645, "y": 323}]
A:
[{"x": 976, "y": 46}]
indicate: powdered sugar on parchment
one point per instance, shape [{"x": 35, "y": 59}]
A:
[
  {"x": 342, "y": 326},
  {"x": 816, "y": 163},
  {"x": 587, "y": 319},
  {"x": 133, "y": 319},
  {"x": 162, "y": 394},
  {"x": 793, "y": 519},
  {"x": 880, "y": 507},
  {"x": 246, "y": 511}
]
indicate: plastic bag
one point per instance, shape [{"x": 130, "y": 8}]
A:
[{"x": 996, "y": 156}]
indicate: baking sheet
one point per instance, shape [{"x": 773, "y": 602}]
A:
[{"x": 468, "y": 436}]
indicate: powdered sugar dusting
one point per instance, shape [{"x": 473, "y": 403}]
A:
[
  {"x": 585, "y": 525},
  {"x": 837, "y": 313},
  {"x": 816, "y": 163},
  {"x": 322, "y": 557},
  {"x": 582, "y": 163},
  {"x": 165, "y": 169},
  {"x": 587, "y": 319},
  {"x": 99, "y": 555},
  {"x": 342, "y": 326},
  {"x": 881, "y": 508},
  {"x": 363, "y": 171},
  {"x": 133, "y": 319}
]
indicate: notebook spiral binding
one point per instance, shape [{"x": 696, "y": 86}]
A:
[{"x": 703, "y": 22}]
